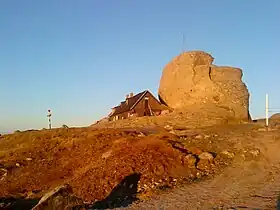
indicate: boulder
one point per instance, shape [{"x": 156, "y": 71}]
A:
[
  {"x": 191, "y": 82},
  {"x": 204, "y": 165},
  {"x": 60, "y": 198},
  {"x": 206, "y": 156}
]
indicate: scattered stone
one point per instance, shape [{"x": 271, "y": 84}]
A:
[
  {"x": 255, "y": 152},
  {"x": 198, "y": 175},
  {"x": 251, "y": 154},
  {"x": 168, "y": 127},
  {"x": 265, "y": 129},
  {"x": 173, "y": 132},
  {"x": 17, "y": 165},
  {"x": 165, "y": 112},
  {"x": 207, "y": 136},
  {"x": 29, "y": 194},
  {"x": 189, "y": 160},
  {"x": 59, "y": 198},
  {"x": 107, "y": 154},
  {"x": 180, "y": 133},
  {"x": 204, "y": 165},
  {"x": 3, "y": 173},
  {"x": 28, "y": 159},
  {"x": 262, "y": 129},
  {"x": 227, "y": 154},
  {"x": 141, "y": 134},
  {"x": 206, "y": 156},
  {"x": 198, "y": 137},
  {"x": 159, "y": 169}
]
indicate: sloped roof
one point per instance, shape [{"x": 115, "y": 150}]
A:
[{"x": 132, "y": 101}]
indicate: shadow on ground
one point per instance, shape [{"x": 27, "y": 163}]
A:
[
  {"x": 17, "y": 203},
  {"x": 122, "y": 195}
]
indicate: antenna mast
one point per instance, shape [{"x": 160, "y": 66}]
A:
[{"x": 183, "y": 42}]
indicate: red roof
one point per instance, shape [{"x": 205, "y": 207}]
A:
[{"x": 132, "y": 101}]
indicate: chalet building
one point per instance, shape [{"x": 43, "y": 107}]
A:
[{"x": 139, "y": 105}]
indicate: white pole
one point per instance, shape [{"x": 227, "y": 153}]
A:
[{"x": 266, "y": 109}]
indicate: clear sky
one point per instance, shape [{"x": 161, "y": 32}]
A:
[{"x": 80, "y": 58}]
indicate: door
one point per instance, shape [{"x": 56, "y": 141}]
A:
[{"x": 146, "y": 106}]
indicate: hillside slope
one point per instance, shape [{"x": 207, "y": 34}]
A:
[{"x": 239, "y": 160}]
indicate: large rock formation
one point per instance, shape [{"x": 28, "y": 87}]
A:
[{"x": 191, "y": 82}]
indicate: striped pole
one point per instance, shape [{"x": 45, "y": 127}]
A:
[{"x": 49, "y": 117}]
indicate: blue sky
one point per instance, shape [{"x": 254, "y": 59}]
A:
[{"x": 80, "y": 58}]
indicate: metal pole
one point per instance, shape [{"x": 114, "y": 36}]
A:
[{"x": 266, "y": 109}]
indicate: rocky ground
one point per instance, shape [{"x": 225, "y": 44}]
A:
[
  {"x": 250, "y": 181},
  {"x": 170, "y": 167}
]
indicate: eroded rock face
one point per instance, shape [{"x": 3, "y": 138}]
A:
[{"x": 191, "y": 81}]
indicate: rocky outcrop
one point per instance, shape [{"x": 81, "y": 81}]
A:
[{"x": 192, "y": 82}]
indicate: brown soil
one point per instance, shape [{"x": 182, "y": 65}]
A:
[{"x": 93, "y": 161}]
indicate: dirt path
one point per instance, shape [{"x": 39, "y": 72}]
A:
[{"x": 254, "y": 184}]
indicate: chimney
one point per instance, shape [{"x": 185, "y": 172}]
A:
[
  {"x": 130, "y": 95},
  {"x": 127, "y": 96}
]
